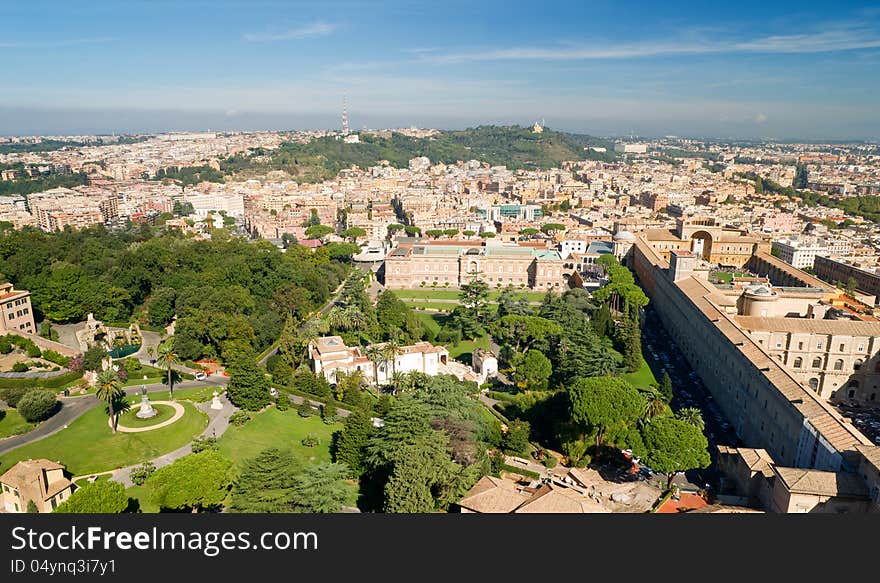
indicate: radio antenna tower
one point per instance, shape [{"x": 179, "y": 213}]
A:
[{"x": 344, "y": 116}]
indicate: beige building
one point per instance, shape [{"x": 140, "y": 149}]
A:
[
  {"x": 16, "y": 313},
  {"x": 753, "y": 476},
  {"x": 766, "y": 403},
  {"x": 40, "y": 481},
  {"x": 707, "y": 239},
  {"x": 452, "y": 265}
]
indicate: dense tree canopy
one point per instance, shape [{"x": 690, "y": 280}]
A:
[
  {"x": 223, "y": 290},
  {"x": 673, "y": 445},
  {"x": 99, "y": 497},
  {"x": 600, "y": 403},
  {"x": 196, "y": 481}
]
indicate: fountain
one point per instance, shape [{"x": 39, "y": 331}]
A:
[{"x": 146, "y": 411}]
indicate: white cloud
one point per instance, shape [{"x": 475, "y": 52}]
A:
[
  {"x": 839, "y": 38},
  {"x": 315, "y": 29}
]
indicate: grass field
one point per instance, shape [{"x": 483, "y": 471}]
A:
[
  {"x": 88, "y": 446},
  {"x": 130, "y": 418},
  {"x": 282, "y": 429},
  {"x": 726, "y": 277},
  {"x": 642, "y": 378},
  {"x": 271, "y": 428},
  {"x": 14, "y": 424},
  {"x": 448, "y": 294}
]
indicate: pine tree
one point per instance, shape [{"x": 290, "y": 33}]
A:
[{"x": 352, "y": 442}]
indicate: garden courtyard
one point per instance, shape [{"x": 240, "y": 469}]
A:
[{"x": 88, "y": 446}]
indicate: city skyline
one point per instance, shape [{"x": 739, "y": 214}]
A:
[{"x": 690, "y": 70}]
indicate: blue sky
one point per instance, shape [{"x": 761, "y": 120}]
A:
[{"x": 732, "y": 69}]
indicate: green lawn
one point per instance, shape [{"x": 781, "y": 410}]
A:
[
  {"x": 14, "y": 424},
  {"x": 142, "y": 495},
  {"x": 271, "y": 428},
  {"x": 282, "y": 429},
  {"x": 429, "y": 321},
  {"x": 130, "y": 418},
  {"x": 642, "y": 378},
  {"x": 88, "y": 446},
  {"x": 449, "y": 294},
  {"x": 444, "y": 306}
]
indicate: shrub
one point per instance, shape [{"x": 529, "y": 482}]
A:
[
  {"x": 328, "y": 413},
  {"x": 5, "y": 346},
  {"x": 141, "y": 473},
  {"x": 583, "y": 462},
  {"x": 550, "y": 462},
  {"x": 239, "y": 418},
  {"x": 201, "y": 444},
  {"x": 20, "y": 367},
  {"x": 304, "y": 409},
  {"x": 282, "y": 402},
  {"x": 92, "y": 358},
  {"x": 2, "y": 414},
  {"x": 311, "y": 440},
  {"x": 33, "y": 351},
  {"x": 56, "y": 357},
  {"x": 37, "y": 405},
  {"x": 13, "y": 395},
  {"x": 132, "y": 365}
]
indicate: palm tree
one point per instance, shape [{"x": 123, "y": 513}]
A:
[
  {"x": 109, "y": 390},
  {"x": 693, "y": 416},
  {"x": 654, "y": 405},
  {"x": 167, "y": 359},
  {"x": 392, "y": 349},
  {"x": 376, "y": 355}
]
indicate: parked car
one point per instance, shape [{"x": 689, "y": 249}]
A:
[{"x": 200, "y": 376}]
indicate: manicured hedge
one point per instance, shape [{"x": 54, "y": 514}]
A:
[
  {"x": 45, "y": 383},
  {"x": 520, "y": 471}
]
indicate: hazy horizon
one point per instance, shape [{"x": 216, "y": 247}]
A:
[{"x": 755, "y": 70}]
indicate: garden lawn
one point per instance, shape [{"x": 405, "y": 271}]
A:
[
  {"x": 130, "y": 418},
  {"x": 87, "y": 445},
  {"x": 468, "y": 346},
  {"x": 142, "y": 495},
  {"x": 14, "y": 424},
  {"x": 281, "y": 429},
  {"x": 642, "y": 378},
  {"x": 447, "y": 294}
]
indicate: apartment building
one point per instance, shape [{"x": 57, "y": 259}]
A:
[
  {"x": 16, "y": 313},
  {"x": 801, "y": 252}
]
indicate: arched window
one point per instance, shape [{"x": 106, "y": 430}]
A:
[
  {"x": 838, "y": 364},
  {"x": 817, "y": 363},
  {"x": 798, "y": 362},
  {"x": 853, "y": 384},
  {"x": 858, "y": 364},
  {"x": 814, "y": 384}
]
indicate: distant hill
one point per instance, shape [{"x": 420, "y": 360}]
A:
[{"x": 512, "y": 146}]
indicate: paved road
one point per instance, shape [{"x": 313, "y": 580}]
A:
[
  {"x": 74, "y": 407},
  {"x": 71, "y": 408}
]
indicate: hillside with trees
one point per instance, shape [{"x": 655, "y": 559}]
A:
[{"x": 512, "y": 146}]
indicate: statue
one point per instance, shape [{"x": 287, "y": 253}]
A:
[
  {"x": 146, "y": 411},
  {"x": 215, "y": 403}
]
